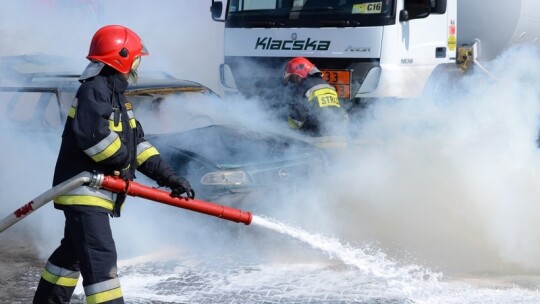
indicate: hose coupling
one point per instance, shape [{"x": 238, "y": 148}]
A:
[{"x": 97, "y": 180}]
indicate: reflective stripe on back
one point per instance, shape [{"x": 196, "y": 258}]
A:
[
  {"x": 318, "y": 87},
  {"x": 326, "y": 97}
]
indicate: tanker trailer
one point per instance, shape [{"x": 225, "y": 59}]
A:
[{"x": 488, "y": 27}]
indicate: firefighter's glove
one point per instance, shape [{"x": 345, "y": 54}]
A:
[{"x": 179, "y": 186}]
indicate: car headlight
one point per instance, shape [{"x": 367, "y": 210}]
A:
[{"x": 225, "y": 178}]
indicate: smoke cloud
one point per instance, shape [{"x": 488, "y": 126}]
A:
[
  {"x": 452, "y": 178},
  {"x": 448, "y": 180}
]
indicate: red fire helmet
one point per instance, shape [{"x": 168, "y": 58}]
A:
[
  {"x": 116, "y": 46},
  {"x": 297, "y": 66}
]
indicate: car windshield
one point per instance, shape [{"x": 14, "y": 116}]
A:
[
  {"x": 37, "y": 91},
  {"x": 169, "y": 109},
  {"x": 309, "y": 13},
  {"x": 28, "y": 108}
]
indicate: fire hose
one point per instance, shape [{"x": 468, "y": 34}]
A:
[{"x": 116, "y": 184}]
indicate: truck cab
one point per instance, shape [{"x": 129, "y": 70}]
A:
[{"x": 365, "y": 48}]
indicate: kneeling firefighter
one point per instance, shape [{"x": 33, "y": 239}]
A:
[
  {"x": 101, "y": 134},
  {"x": 314, "y": 107}
]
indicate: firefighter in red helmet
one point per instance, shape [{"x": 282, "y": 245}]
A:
[
  {"x": 315, "y": 107},
  {"x": 101, "y": 134}
]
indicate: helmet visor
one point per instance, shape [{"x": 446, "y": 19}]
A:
[
  {"x": 136, "y": 63},
  {"x": 144, "y": 51}
]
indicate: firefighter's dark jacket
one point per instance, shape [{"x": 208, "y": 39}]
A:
[
  {"x": 102, "y": 135},
  {"x": 312, "y": 81},
  {"x": 310, "y": 97}
]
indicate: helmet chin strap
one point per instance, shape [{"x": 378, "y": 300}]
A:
[{"x": 132, "y": 76}]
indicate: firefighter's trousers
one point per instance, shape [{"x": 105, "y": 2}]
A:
[{"x": 88, "y": 249}]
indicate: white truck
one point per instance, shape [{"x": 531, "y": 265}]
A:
[{"x": 366, "y": 48}]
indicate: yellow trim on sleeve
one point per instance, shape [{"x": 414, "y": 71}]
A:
[
  {"x": 72, "y": 112},
  {"x": 146, "y": 154},
  {"x": 109, "y": 151}
]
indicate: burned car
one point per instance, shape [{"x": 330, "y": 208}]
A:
[
  {"x": 36, "y": 92},
  {"x": 225, "y": 163},
  {"x": 170, "y": 104}
]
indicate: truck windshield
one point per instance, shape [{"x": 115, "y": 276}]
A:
[{"x": 310, "y": 13}]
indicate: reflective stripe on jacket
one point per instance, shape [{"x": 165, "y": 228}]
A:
[
  {"x": 101, "y": 134},
  {"x": 312, "y": 97}
]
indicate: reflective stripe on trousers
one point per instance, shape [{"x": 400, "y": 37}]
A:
[
  {"x": 103, "y": 292},
  {"x": 88, "y": 247},
  {"x": 60, "y": 276}
]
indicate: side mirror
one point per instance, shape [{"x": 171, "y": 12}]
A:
[
  {"x": 415, "y": 9},
  {"x": 403, "y": 16},
  {"x": 226, "y": 76},
  {"x": 439, "y": 7},
  {"x": 216, "y": 10}
]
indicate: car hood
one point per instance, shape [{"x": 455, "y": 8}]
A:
[{"x": 231, "y": 146}]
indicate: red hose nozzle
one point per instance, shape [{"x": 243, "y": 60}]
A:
[{"x": 132, "y": 188}]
